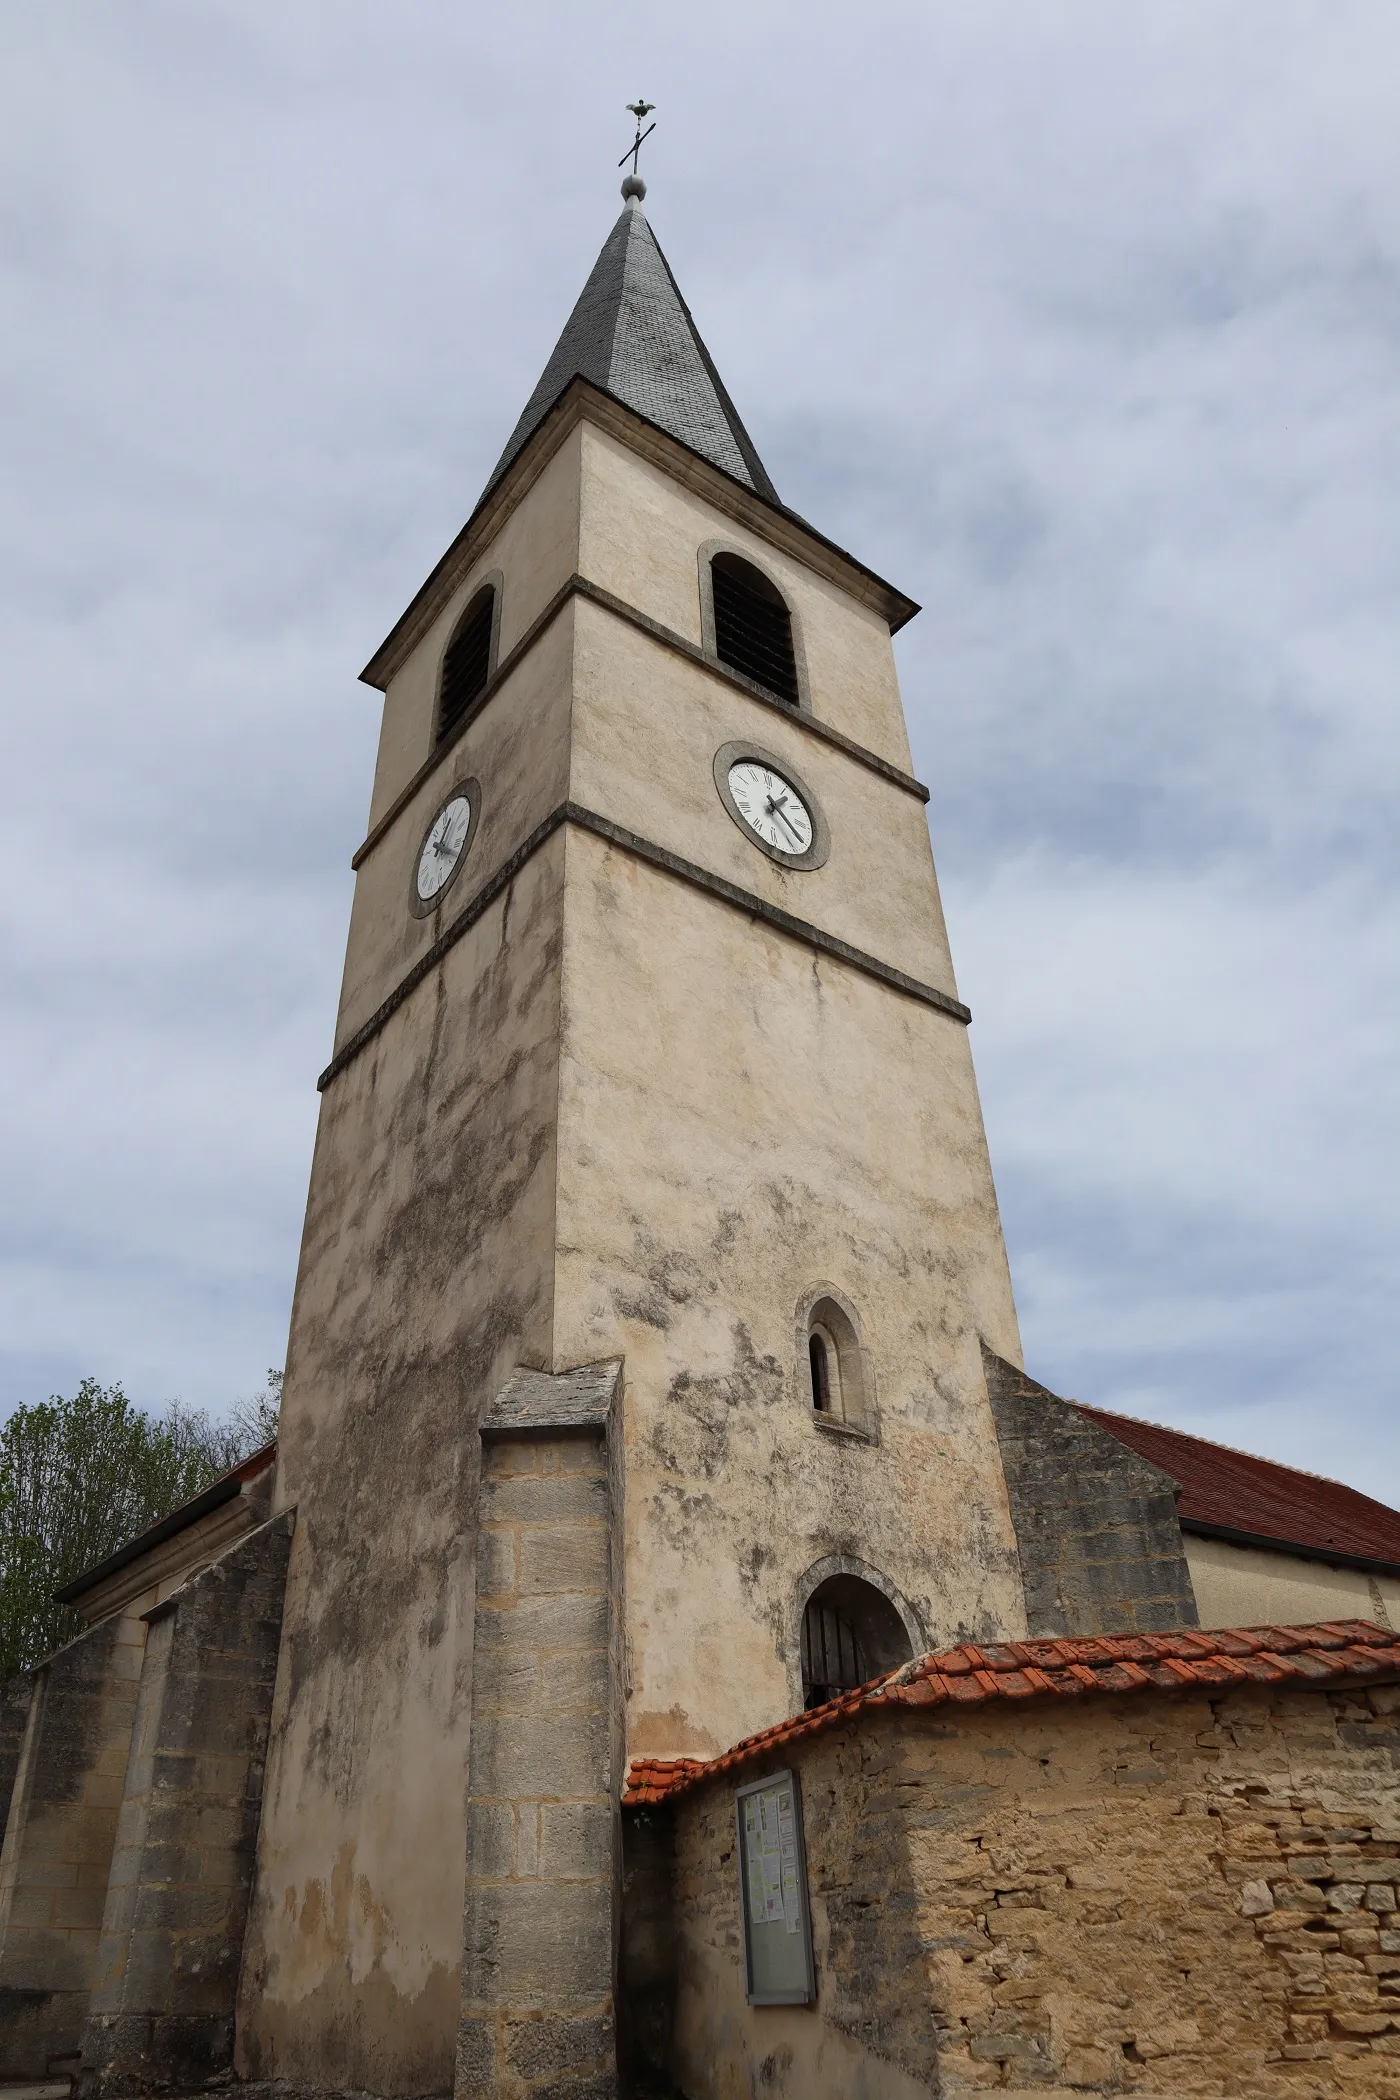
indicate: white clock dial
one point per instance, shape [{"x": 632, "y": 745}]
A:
[
  {"x": 771, "y": 806},
  {"x": 443, "y": 848}
]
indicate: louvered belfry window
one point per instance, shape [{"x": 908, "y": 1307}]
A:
[
  {"x": 753, "y": 627},
  {"x": 467, "y": 664}
]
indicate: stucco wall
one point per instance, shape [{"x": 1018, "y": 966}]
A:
[
  {"x": 647, "y": 724},
  {"x": 425, "y": 1276},
  {"x": 1159, "y": 1894},
  {"x": 763, "y": 1124},
  {"x": 741, "y": 1123},
  {"x": 1248, "y": 1586},
  {"x": 535, "y": 550},
  {"x": 731, "y": 1124},
  {"x": 639, "y": 536}
]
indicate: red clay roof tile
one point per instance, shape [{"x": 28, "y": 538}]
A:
[
  {"x": 1339, "y": 1652},
  {"x": 1233, "y": 1491}
]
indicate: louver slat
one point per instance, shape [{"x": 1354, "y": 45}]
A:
[
  {"x": 753, "y": 629},
  {"x": 467, "y": 664}
]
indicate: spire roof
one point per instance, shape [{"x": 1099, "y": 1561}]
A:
[{"x": 631, "y": 334}]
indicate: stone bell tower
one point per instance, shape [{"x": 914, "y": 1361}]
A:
[{"x": 635, "y": 1388}]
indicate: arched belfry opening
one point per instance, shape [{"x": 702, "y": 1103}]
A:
[
  {"x": 753, "y": 626},
  {"x": 467, "y": 662},
  {"x": 851, "y": 1631}
]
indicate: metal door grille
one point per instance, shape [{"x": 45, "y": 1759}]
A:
[{"x": 833, "y": 1660}]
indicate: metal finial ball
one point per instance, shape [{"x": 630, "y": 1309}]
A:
[{"x": 633, "y": 186}]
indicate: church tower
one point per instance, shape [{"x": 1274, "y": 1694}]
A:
[{"x": 650, "y": 1203}]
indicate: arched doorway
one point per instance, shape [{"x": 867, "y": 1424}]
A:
[{"x": 851, "y": 1632}]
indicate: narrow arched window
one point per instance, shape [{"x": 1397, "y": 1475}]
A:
[
  {"x": 753, "y": 627},
  {"x": 820, "y": 1363},
  {"x": 838, "y": 1374},
  {"x": 466, "y": 666},
  {"x": 850, "y": 1633}
]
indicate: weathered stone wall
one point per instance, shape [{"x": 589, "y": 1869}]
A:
[
  {"x": 648, "y": 1950},
  {"x": 425, "y": 1277},
  {"x": 1154, "y": 1894},
  {"x": 15, "y": 1696},
  {"x": 537, "y": 1984},
  {"x": 1096, "y": 1525},
  {"x": 172, "y": 1930},
  {"x": 711, "y": 1122},
  {"x": 58, "y": 1844},
  {"x": 753, "y": 1159},
  {"x": 771, "y": 1123}
]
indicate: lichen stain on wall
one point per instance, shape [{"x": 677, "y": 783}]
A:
[
  {"x": 426, "y": 1276},
  {"x": 720, "y": 1150}
]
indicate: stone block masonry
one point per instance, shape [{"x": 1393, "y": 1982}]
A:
[
  {"x": 1096, "y": 1525},
  {"x": 16, "y": 1693},
  {"x": 162, "y": 2005},
  {"x": 543, "y": 1847},
  {"x": 1164, "y": 1893},
  {"x": 58, "y": 1844}
]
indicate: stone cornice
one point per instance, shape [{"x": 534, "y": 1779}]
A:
[
  {"x": 745, "y": 901},
  {"x": 580, "y": 402},
  {"x": 580, "y": 587}
]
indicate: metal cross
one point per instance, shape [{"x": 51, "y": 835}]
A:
[{"x": 638, "y": 109}]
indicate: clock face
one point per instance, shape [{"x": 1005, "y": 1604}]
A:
[
  {"x": 443, "y": 849},
  {"x": 771, "y": 806}
]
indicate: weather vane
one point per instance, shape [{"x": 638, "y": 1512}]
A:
[{"x": 632, "y": 185}]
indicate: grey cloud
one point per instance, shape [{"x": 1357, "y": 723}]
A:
[{"x": 1079, "y": 323}]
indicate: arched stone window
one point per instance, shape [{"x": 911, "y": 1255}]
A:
[
  {"x": 749, "y": 625},
  {"x": 851, "y": 1631},
  {"x": 838, "y": 1371},
  {"x": 468, "y": 660}
]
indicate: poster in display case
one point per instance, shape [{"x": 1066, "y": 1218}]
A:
[{"x": 773, "y": 1892}]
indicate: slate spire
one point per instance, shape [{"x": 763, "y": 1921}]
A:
[{"x": 632, "y": 335}]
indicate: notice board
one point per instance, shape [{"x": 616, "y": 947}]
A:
[{"x": 773, "y": 1892}]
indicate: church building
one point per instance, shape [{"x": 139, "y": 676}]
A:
[{"x": 673, "y": 1646}]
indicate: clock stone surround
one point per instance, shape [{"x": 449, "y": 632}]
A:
[{"x": 615, "y": 1117}]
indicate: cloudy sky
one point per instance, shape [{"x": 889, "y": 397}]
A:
[{"x": 1080, "y": 321}]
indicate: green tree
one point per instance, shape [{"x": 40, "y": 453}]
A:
[{"x": 80, "y": 1477}]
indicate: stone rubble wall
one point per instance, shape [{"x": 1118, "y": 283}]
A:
[{"x": 1166, "y": 1894}]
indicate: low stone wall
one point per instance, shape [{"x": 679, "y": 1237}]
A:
[{"x": 1155, "y": 1893}]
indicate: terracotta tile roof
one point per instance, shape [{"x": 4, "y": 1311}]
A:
[
  {"x": 1348, "y": 1651},
  {"x": 1254, "y": 1497}
]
